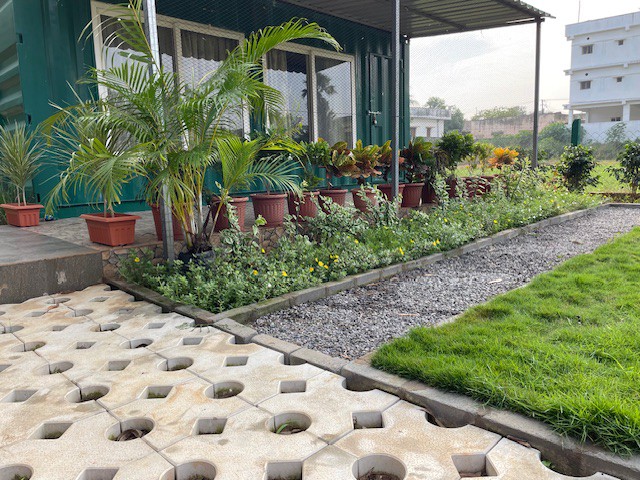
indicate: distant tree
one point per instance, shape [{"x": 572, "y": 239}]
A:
[
  {"x": 436, "y": 102},
  {"x": 456, "y": 122},
  {"x": 413, "y": 102},
  {"x": 554, "y": 137},
  {"x": 500, "y": 112}
]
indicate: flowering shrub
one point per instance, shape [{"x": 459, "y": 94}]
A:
[
  {"x": 340, "y": 243},
  {"x": 503, "y": 157}
]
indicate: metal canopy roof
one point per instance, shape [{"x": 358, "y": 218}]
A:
[{"x": 426, "y": 18}]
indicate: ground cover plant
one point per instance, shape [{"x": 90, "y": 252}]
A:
[
  {"x": 342, "y": 242},
  {"x": 562, "y": 349}
]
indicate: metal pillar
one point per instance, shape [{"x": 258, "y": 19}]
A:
[
  {"x": 536, "y": 108},
  {"x": 151, "y": 31},
  {"x": 395, "y": 101}
]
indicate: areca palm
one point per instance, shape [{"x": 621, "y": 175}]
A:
[
  {"x": 19, "y": 155},
  {"x": 176, "y": 131}
]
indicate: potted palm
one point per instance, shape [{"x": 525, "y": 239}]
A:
[
  {"x": 20, "y": 152},
  {"x": 179, "y": 126},
  {"x": 241, "y": 166},
  {"x": 99, "y": 162}
]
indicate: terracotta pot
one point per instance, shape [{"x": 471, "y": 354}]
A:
[
  {"x": 386, "y": 189},
  {"x": 270, "y": 206},
  {"x": 177, "y": 229},
  {"x": 428, "y": 194},
  {"x": 22, "y": 215},
  {"x": 337, "y": 195},
  {"x": 112, "y": 231},
  {"x": 412, "y": 195},
  {"x": 358, "y": 202},
  {"x": 304, "y": 207},
  {"x": 222, "y": 223}
]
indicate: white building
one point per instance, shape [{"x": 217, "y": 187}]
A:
[
  {"x": 428, "y": 122},
  {"x": 605, "y": 74}
]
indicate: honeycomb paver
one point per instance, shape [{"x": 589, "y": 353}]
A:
[{"x": 82, "y": 375}]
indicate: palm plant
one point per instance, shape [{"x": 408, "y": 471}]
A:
[
  {"x": 20, "y": 152},
  {"x": 241, "y": 167},
  {"x": 176, "y": 130}
]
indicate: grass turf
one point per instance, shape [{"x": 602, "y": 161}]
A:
[{"x": 565, "y": 349}]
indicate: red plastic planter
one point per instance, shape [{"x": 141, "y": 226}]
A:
[
  {"x": 358, "y": 202},
  {"x": 112, "y": 231},
  {"x": 412, "y": 195},
  {"x": 240, "y": 204},
  {"x": 22, "y": 215},
  {"x": 270, "y": 206},
  {"x": 303, "y": 207}
]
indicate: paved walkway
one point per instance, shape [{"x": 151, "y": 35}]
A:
[{"x": 83, "y": 375}]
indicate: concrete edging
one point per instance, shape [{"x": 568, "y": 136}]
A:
[{"x": 452, "y": 410}]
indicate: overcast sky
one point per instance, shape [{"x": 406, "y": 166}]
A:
[{"x": 479, "y": 70}]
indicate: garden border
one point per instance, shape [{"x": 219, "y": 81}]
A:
[{"x": 452, "y": 410}]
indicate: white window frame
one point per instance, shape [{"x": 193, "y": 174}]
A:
[
  {"x": 312, "y": 53},
  {"x": 587, "y": 49},
  {"x": 585, "y": 85},
  {"x": 98, "y": 9}
]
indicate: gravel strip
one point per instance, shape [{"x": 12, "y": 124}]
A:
[{"x": 355, "y": 322}]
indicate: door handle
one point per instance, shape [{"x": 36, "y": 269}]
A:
[{"x": 374, "y": 119}]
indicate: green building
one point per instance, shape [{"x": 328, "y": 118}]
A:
[{"x": 46, "y": 48}]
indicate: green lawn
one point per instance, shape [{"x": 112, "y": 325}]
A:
[
  {"x": 565, "y": 349},
  {"x": 608, "y": 182}
]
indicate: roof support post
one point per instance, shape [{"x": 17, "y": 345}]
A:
[
  {"x": 536, "y": 107},
  {"x": 395, "y": 101},
  {"x": 151, "y": 31}
]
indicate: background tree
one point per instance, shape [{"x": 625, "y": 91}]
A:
[{"x": 500, "y": 112}]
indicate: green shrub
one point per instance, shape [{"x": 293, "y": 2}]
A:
[
  {"x": 629, "y": 170},
  {"x": 576, "y": 167}
]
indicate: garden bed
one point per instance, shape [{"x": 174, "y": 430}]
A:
[{"x": 562, "y": 349}]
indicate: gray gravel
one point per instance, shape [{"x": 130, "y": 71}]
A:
[{"x": 355, "y": 322}]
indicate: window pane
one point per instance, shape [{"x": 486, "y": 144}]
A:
[
  {"x": 333, "y": 90},
  {"x": 116, "y": 49},
  {"x": 202, "y": 54},
  {"x": 287, "y": 72}
]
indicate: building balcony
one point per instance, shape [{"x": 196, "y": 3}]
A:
[{"x": 432, "y": 113}]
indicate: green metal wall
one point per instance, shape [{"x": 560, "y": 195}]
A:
[
  {"x": 52, "y": 57},
  {"x": 11, "y": 103}
]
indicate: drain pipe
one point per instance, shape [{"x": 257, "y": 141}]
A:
[
  {"x": 151, "y": 31},
  {"x": 536, "y": 108}
]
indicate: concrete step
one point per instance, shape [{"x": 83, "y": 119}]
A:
[{"x": 32, "y": 265}]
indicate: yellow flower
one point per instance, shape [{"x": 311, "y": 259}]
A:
[
  {"x": 321, "y": 264},
  {"x": 255, "y": 272},
  {"x": 327, "y": 267},
  {"x": 284, "y": 274},
  {"x": 401, "y": 251},
  {"x": 137, "y": 260},
  {"x": 412, "y": 241},
  {"x": 445, "y": 220},
  {"x": 356, "y": 241},
  {"x": 495, "y": 221},
  {"x": 264, "y": 251},
  {"x": 311, "y": 269},
  {"x": 438, "y": 242}
]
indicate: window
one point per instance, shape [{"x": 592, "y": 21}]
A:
[
  {"x": 620, "y": 43},
  {"x": 334, "y": 99},
  {"x": 192, "y": 50},
  {"x": 288, "y": 73},
  {"x": 616, "y": 119},
  {"x": 619, "y": 79},
  {"x": 429, "y": 132},
  {"x": 587, "y": 49},
  {"x": 586, "y": 85}
]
